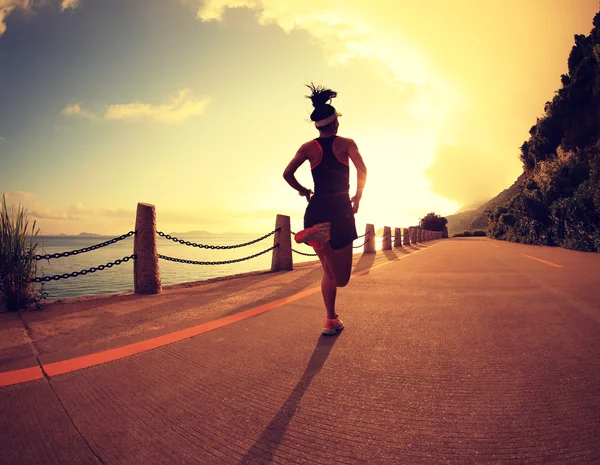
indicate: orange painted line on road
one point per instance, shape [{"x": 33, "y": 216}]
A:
[
  {"x": 86, "y": 361},
  {"x": 543, "y": 261},
  {"x": 20, "y": 376}
]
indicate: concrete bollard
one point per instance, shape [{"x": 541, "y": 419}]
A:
[
  {"x": 413, "y": 234},
  {"x": 397, "y": 238},
  {"x": 445, "y": 232},
  {"x": 406, "y": 236},
  {"x": 419, "y": 234},
  {"x": 146, "y": 273},
  {"x": 282, "y": 255},
  {"x": 387, "y": 238},
  {"x": 370, "y": 239}
]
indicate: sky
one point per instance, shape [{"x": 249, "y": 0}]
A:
[{"x": 197, "y": 106}]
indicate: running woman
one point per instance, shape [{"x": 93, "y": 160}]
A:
[{"x": 329, "y": 219}]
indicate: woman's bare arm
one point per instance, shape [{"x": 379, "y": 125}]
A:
[
  {"x": 290, "y": 170},
  {"x": 361, "y": 173}
]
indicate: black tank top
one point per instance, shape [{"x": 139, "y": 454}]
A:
[{"x": 330, "y": 175}]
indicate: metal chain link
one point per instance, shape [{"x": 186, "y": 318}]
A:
[
  {"x": 305, "y": 254},
  {"x": 215, "y": 247},
  {"x": 85, "y": 249},
  {"x": 82, "y": 272},
  {"x": 359, "y": 246},
  {"x": 224, "y": 262}
]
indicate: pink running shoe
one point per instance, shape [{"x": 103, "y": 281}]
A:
[
  {"x": 316, "y": 236},
  {"x": 330, "y": 327}
]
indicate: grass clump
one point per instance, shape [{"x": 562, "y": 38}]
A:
[{"x": 18, "y": 245}]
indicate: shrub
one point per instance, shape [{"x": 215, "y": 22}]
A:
[
  {"x": 467, "y": 234},
  {"x": 17, "y": 264},
  {"x": 479, "y": 233},
  {"x": 458, "y": 235}
]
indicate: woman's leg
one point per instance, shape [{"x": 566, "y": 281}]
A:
[
  {"x": 328, "y": 289},
  {"x": 339, "y": 263},
  {"x": 334, "y": 261}
]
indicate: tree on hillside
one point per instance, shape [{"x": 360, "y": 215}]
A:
[
  {"x": 559, "y": 201},
  {"x": 433, "y": 222}
]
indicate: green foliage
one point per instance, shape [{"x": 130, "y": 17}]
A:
[
  {"x": 433, "y": 222},
  {"x": 466, "y": 234},
  {"x": 17, "y": 265},
  {"x": 479, "y": 233},
  {"x": 559, "y": 202}
]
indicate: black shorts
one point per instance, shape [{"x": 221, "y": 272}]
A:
[{"x": 338, "y": 211}]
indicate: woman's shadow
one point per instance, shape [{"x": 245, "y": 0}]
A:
[{"x": 267, "y": 444}]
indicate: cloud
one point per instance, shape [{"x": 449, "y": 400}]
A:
[
  {"x": 52, "y": 215},
  {"x": 8, "y": 6},
  {"x": 2, "y": 139},
  {"x": 79, "y": 209},
  {"x": 69, "y": 4},
  {"x": 346, "y": 29},
  {"x": 18, "y": 195},
  {"x": 178, "y": 109},
  {"x": 77, "y": 112}
]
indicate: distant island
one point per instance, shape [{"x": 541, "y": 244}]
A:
[{"x": 89, "y": 234}]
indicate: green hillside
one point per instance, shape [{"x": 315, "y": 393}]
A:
[
  {"x": 478, "y": 218},
  {"x": 556, "y": 201}
]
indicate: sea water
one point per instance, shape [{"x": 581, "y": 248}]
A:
[{"x": 119, "y": 278}]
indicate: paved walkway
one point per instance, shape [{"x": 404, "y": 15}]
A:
[{"x": 461, "y": 351}]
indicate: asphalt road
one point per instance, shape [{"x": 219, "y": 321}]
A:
[{"x": 458, "y": 351}]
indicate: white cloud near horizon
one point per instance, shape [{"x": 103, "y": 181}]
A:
[
  {"x": 18, "y": 195},
  {"x": 52, "y": 215},
  {"x": 179, "y": 108},
  {"x": 109, "y": 212},
  {"x": 78, "y": 211}
]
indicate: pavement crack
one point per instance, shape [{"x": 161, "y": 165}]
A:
[
  {"x": 34, "y": 349},
  {"x": 47, "y": 378}
]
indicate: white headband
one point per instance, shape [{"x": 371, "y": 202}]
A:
[{"x": 329, "y": 119}]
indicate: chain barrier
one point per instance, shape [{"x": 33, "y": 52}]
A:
[
  {"x": 215, "y": 247},
  {"x": 224, "y": 262},
  {"x": 361, "y": 245},
  {"x": 85, "y": 249},
  {"x": 82, "y": 272},
  {"x": 305, "y": 254}
]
